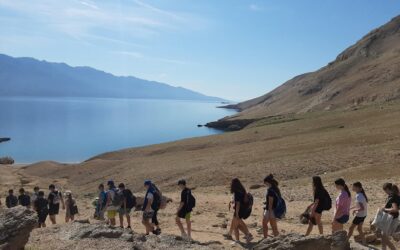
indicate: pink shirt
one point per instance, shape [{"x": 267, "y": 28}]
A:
[{"x": 343, "y": 203}]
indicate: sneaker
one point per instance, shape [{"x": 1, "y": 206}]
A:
[
  {"x": 235, "y": 242},
  {"x": 228, "y": 236},
  {"x": 158, "y": 231},
  {"x": 249, "y": 238}
]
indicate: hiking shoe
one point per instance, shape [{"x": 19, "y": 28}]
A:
[
  {"x": 158, "y": 230},
  {"x": 228, "y": 236},
  {"x": 235, "y": 242},
  {"x": 249, "y": 238}
]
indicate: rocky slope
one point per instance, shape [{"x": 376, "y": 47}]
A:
[{"x": 367, "y": 72}]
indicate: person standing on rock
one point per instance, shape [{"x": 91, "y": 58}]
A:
[
  {"x": 272, "y": 196},
  {"x": 147, "y": 210},
  {"x": 359, "y": 210},
  {"x": 55, "y": 198},
  {"x": 112, "y": 203},
  {"x": 24, "y": 199},
  {"x": 185, "y": 209},
  {"x": 240, "y": 209},
  {"x": 42, "y": 209},
  {"x": 11, "y": 199},
  {"x": 343, "y": 203},
  {"x": 322, "y": 202}
]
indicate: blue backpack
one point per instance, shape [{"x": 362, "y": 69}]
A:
[{"x": 280, "y": 209}]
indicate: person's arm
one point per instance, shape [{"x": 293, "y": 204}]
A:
[
  {"x": 149, "y": 203},
  {"x": 358, "y": 208},
  {"x": 393, "y": 209},
  {"x": 314, "y": 206},
  {"x": 62, "y": 201}
]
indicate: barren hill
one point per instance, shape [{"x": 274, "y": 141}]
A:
[{"x": 368, "y": 71}]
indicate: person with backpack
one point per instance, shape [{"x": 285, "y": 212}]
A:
[
  {"x": 113, "y": 202},
  {"x": 242, "y": 209},
  {"x": 391, "y": 207},
  {"x": 147, "y": 209},
  {"x": 343, "y": 203},
  {"x": 322, "y": 202},
  {"x": 129, "y": 202},
  {"x": 184, "y": 211},
  {"x": 54, "y": 199},
  {"x": 101, "y": 203},
  {"x": 24, "y": 199},
  {"x": 71, "y": 208},
  {"x": 11, "y": 199},
  {"x": 156, "y": 205},
  {"x": 275, "y": 207},
  {"x": 360, "y": 211},
  {"x": 41, "y": 206},
  {"x": 35, "y": 195}
]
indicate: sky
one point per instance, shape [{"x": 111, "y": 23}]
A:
[{"x": 235, "y": 49}]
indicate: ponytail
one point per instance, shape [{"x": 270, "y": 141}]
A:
[
  {"x": 341, "y": 182},
  {"x": 395, "y": 190},
  {"x": 273, "y": 182},
  {"x": 359, "y": 185}
]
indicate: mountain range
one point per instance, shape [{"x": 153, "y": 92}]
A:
[{"x": 34, "y": 78}]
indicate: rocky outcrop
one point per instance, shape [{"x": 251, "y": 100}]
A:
[
  {"x": 16, "y": 225},
  {"x": 230, "y": 125},
  {"x": 84, "y": 235},
  {"x": 338, "y": 241},
  {"x": 6, "y": 160}
]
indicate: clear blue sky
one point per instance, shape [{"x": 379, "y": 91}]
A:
[{"x": 232, "y": 49}]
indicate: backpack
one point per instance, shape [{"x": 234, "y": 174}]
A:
[
  {"x": 191, "y": 201},
  {"x": 56, "y": 197},
  {"x": 157, "y": 198},
  {"x": 130, "y": 199},
  {"x": 280, "y": 209},
  {"x": 327, "y": 202},
  {"x": 248, "y": 205},
  {"x": 118, "y": 198}
]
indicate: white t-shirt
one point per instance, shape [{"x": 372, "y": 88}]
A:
[{"x": 360, "y": 198}]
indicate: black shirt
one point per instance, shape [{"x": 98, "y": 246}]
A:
[
  {"x": 24, "y": 200},
  {"x": 389, "y": 203},
  {"x": 274, "y": 194},
  {"x": 11, "y": 201},
  {"x": 41, "y": 205},
  {"x": 54, "y": 198},
  {"x": 184, "y": 198},
  {"x": 239, "y": 197}
]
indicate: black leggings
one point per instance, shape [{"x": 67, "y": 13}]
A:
[{"x": 154, "y": 219}]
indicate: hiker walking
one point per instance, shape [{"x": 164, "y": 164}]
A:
[
  {"x": 113, "y": 202},
  {"x": 35, "y": 195},
  {"x": 71, "y": 208},
  {"x": 101, "y": 203},
  {"x": 129, "y": 202},
  {"x": 156, "y": 205},
  {"x": 343, "y": 203},
  {"x": 55, "y": 198},
  {"x": 11, "y": 199},
  {"x": 242, "y": 209},
  {"x": 24, "y": 199},
  {"x": 148, "y": 212},
  {"x": 322, "y": 202},
  {"x": 42, "y": 209},
  {"x": 275, "y": 207},
  {"x": 360, "y": 211},
  {"x": 184, "y": 211},
  {"x": 391, "y": 207}
]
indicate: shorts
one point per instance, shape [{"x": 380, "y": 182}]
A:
[
  {"x": 343, "y": 220},
  {"x": 147, "y": 215},
  {"x": 42, "y": 217},
  {"x": 54, "y": 209},
  {"x": 111, "y": 214},
  {"x": 319, "y": 210},
  {"x": 122, "y": 211},
  {"x": 358, "y": 220},
  {"x": 184, "y": 215},
  {"x": 268, "y": 214}
]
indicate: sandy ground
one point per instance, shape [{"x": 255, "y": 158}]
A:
[{"x": 358, "y": 145}]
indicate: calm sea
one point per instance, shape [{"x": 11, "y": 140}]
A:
[{"x": 75, "y": 129}]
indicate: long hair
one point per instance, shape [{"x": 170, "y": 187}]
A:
[
  {"x": 237, "y": 187},
  {"x": 341, "y": 182},
  {"x": 317, "y": 183},
  {"x": 273, "y": 182},
  {"x": 393, "y": 188},
  {"x": 359, "y": 185}
]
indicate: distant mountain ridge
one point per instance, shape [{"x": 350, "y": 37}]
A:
[
  {"x": 30, "y": 77},
  {"x": 366, "y": 72}
]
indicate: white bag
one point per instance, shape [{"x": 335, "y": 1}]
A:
[{"x": 385, "y": 222}]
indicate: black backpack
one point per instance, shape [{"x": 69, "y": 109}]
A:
[
  {"x": 157, "y": 198},
  {"x": 191, "y": 201},
  {"x": 327, "y": 201},
  {"x": 130, "y": 199}
]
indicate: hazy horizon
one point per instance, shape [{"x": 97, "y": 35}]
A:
[{"x": 234, "y": 50}]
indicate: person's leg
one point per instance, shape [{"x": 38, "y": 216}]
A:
[
  {"x": 318, "y": 221},
  {"x": 53, "y": 219},
  {"x": 265, "y": 226},
  {"x": 388, "y": 243},
  {"x": 180, "y": 226},
  {"x": 309, "y": 228},
  {"x": 351, "y": 230},
  {"x": 235, "y": 225},
  {"x": 121, "y": 219},
  {"x": 128, "y": 219},
  {"x": 72, "y": 217},
  {"x": 189, "y": 225},
  {"x": 336, "y": 226},
  {"x": 361, "y": 232},
  {"x": 274, "y": 226}
]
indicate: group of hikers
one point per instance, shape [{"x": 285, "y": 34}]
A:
[{"x": 119, "y": 200}]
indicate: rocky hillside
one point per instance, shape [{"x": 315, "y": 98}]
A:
[{"x": 368, "y": 71}]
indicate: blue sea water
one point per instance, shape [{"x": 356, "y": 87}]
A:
[{"x": 75, "y": 129}]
